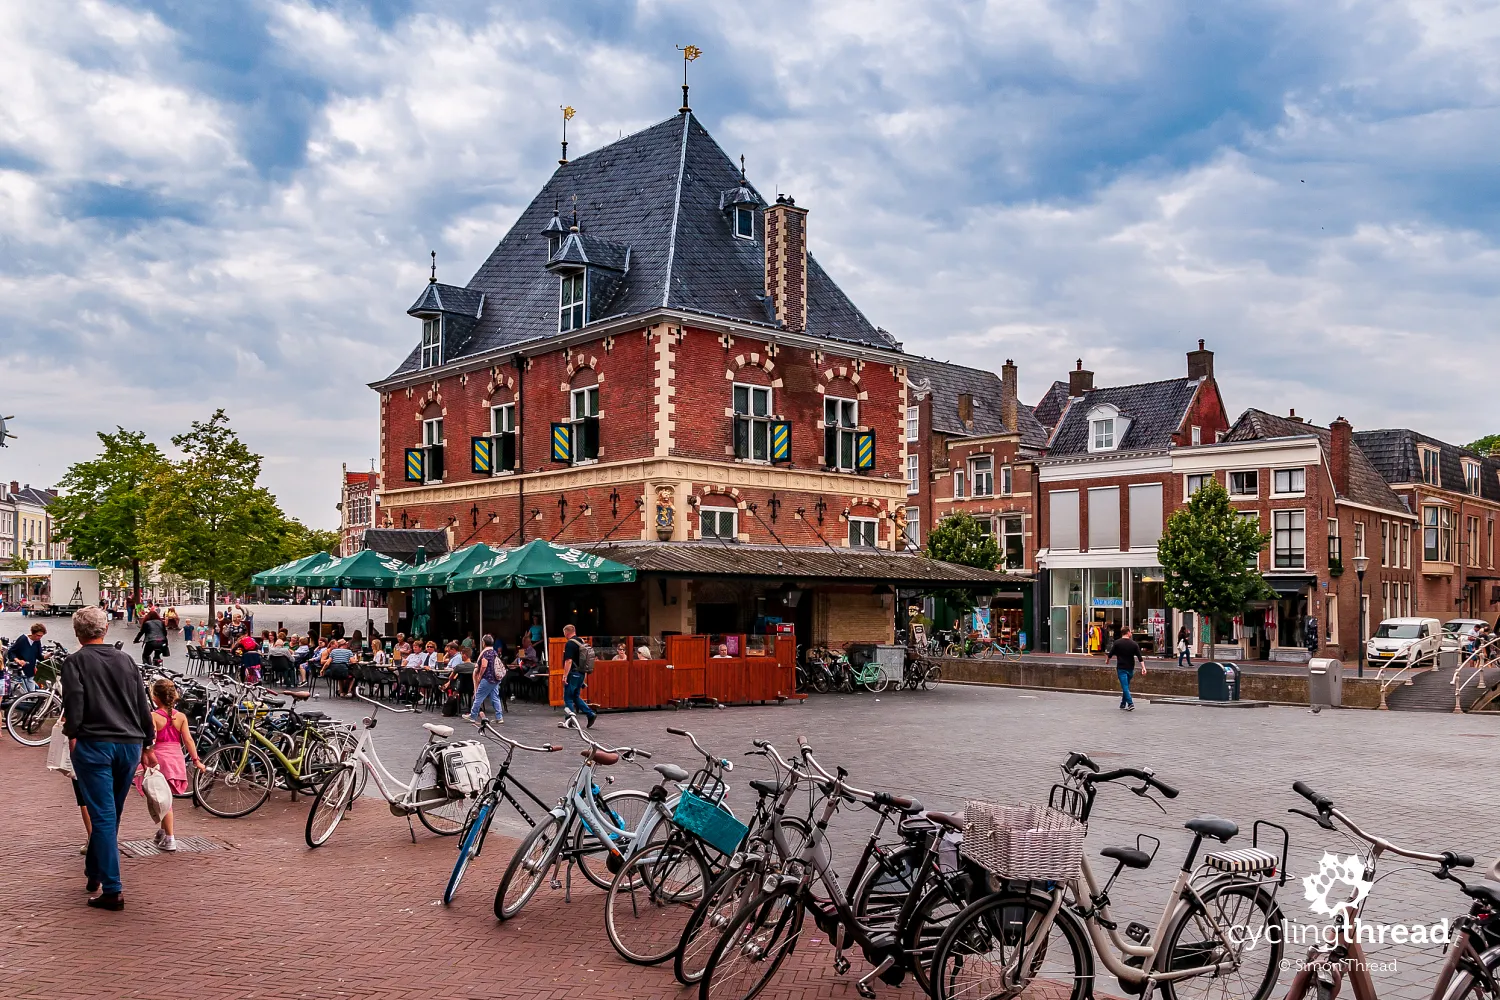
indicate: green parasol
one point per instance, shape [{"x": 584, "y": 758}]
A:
[
  {"x": 539, "y": 564},
  {"x": 439, "y": 571},
  {"x": 367, "y": 570},
  {"x": 281, "y": 576}
]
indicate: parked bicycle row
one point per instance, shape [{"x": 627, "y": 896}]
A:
[{"x": 853, "y": 668}]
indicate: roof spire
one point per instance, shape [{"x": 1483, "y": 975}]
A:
[
  {"x": 575, "y": 213},
  {"x": 742, "y": 168},
  {"x": 689, "y": 53},
  {"x": 432, "y": 280},
  {"x": 567, "y": 112}
]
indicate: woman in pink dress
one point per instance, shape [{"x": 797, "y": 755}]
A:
[{"x": 172, "y": 739}]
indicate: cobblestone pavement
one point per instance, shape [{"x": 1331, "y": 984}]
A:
[{"x": 265, "y": 917}]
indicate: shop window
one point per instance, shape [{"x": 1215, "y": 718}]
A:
[
  {"x": 982, "y": 469},
  {"x": 862, "y": 532},
  {"x": 1244, "y": 484},
  {"x": 913, "y": 473},
  {"x": 1289, "y": 536},
  {"x": 718, "y": 522},
  {"x": 1437, "y": 534},
  {"x": 1289, "y": 481},
  {"x": 1013, "y": 542},
  {"x": 840, "y": 422},
  {"x": 752, "y": 422},
  {"x": 432, "y": 342},
  {"x": 913, "y": 528},
  {"x": 584, "y": 415}
]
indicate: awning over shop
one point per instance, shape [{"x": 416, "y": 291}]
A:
[
  {"x": 1292, "y": 586},
  {"x": 801, "y": 563},
  {"x": 402, "y": 543}
]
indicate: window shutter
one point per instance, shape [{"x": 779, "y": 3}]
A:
[
  {"x": 864, "y": 450},
  {"x": 414, "y": 465},
  {"x": 434, "y": 468},
  {"x": 482, "y": 456},
  {"x": 741, "y": 431},
  {"x": 831, "y": 447},
  {"x": 505, "y": 460},
  {"x": 781, "y": 441},
  {"x": 562, "y": 442},
  {"x": 589, "y": 446}
]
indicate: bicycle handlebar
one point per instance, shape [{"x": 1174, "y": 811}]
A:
[
  {"x": 1133, "y": 772},
  {"x": 489, "y": 731},
  {"x": 720, "y": 761},
  {"x": 381, "y": 704},
  {"x": 1328, "y": 811}
]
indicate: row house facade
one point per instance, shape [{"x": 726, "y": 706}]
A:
[
  {"x": 1318, "y": 496},
  {"x": 1455, "y": 494},
  {"x": 357, "y": 509},
  {"x": 652, "y": 366}
]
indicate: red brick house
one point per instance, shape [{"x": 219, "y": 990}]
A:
[
  {"x": 652, "y": 364},
  {"x": 357, "y": 501}
]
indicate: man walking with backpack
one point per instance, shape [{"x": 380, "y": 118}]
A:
[
  {"x": 578, "y": 663},
  {"x": 487, "y": 682}
]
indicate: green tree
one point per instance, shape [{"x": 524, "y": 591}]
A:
[
  {"x": 1484, "y": 444},
  {"x": 300, "y": 540},
  {"x": 1208, "y": 552},
  {"x": 208, "y": 518},
  {"x": 957, "y": 538},
  {"x": 102, "y": 509}
]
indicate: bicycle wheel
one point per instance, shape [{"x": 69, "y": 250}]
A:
[
  {"x": 822, "y": 680},
  {"x": 652, "y": 899},
  {"x": 444, "y": 818},
  {"x": 235, "y": 781},
  {"x": 468, "y": 847},
  {"x": 922, "y": 930},
  {"x": 882, "y": 892},
  {"x": 953, "y": 649},
  {"x": 528, "y": 867},
  {"x": 329, "y": 806},
  {"x": 1244, "y": 913},
  {"x": 709, "y": 918},
  {"x": 753, "y": 947},
  {"x": 878, "y": 683},
  {"x": 624, "y": 808},
  {"x": 983, "y": 951},
  {"x": 32, "y": 716},
  {"x": 933, "y": 675}
]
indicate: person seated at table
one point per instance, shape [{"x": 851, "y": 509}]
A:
[
  {"x": 430, "y": 656},
  {"x": 415, "y": 660},
  {"x": 336, "y": 661},
  {"x": 643, "y": 652},
  {"x": 621, "y": 651},
  {"x": 378, "y": 655},
  {"x": 453, "y": 656},
  {"x": 722, "y": 653}
]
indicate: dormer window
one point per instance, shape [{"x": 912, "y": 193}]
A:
[
  {"x": 572, "y": 315},
  {"x": 432, "y": 342},
  {"x": 744, "y": 223},
  {"x": 1107, "y": 427},
  {"x": 1103, "y": 438}
]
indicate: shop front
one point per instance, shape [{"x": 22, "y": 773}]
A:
[{"x": 1087, "y": 603}]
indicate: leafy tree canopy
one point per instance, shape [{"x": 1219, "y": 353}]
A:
[
  {"x": 102, "y": 507},
  {"x": 1484, "y": 444},
  {"x": 957, "y": 538},
  {"x": 1208, "y": 552}
]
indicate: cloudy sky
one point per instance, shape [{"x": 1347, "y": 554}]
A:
[{"x": 231, "y": 203}]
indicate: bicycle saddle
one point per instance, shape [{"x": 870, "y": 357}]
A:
[
  {"x": 765, "y": 787},
  {"x": 442, "y": 732},
  {"x": 1130, "y": 857},
  {"x": 949, "y": 820},
  {"x": 600, "y": 756},
  {"x": 670, "y": 771},
  {"x": 1213, "y": 826},
  {"x": 296, "y": 695},
  {"x": 1484, "y": 893}
]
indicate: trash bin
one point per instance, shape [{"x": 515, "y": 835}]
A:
[
  {"x": 1447, "y": 659},
  {"x": 892, "y": 660},
  {"x": 1325, "y": 682},
  {"x": 1218, "y": 681}
]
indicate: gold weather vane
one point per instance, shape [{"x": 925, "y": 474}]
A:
[
  {"x": 567, "y": 112},
  {"x": 689, "y": 53}
]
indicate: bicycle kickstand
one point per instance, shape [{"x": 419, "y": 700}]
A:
[
  {"x": 411, "y": 829},
  {"x": 863, "y": 987}
]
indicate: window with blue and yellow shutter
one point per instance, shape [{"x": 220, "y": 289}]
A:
[
  {"x": 562, "y": 442},
  {"x": 414, "y": 465},
  {"x": 781, "y": 441},
  {"x": 864, "y": 451},
  {"x": 482, "y": 455}
]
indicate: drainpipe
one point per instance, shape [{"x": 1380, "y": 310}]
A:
[{"x": 520, "y": 362}]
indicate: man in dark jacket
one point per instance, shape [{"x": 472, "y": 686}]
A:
[
  {"x": 108, "y": 723},
  {"x": 25, "y": 653},
  {"x": 154, "y": 631}
]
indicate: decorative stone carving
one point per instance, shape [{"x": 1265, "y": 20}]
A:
[{"x": 666, "y": 513}]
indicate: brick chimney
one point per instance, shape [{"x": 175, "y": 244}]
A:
[
  {"x": 15, "y": 487},
  {"x": 966, "y": 409},
  {"x": 1200, "y": 362},
  {"x": 1340, "y": 434},
  {"x": 1292, "y": 416},
  {"x": 1080, "y": 381},
  {"x": 1009, "y": 406},
  {"x": 785, "y": 227}
]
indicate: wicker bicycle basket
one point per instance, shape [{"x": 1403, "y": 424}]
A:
[{"x": 1022, "y": 842}]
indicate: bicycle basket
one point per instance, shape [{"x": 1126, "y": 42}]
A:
[
  {"x": 1022, "y": 842},
  {"x": 709, "y": 823}
]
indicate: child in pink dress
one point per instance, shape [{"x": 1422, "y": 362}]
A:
[{"x": 172, "y": 738}]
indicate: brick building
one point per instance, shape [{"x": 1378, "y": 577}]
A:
[
  {"x": 1455, "y": 494},
  {"x": 357, "y": 506},
  {"x": 1102, "y": 492},
  {"x": 1317, "y": 494},
  {"x": 652, "y": 364}
]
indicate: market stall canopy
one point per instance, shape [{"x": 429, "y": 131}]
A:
[
  {"x": 365, "y": 570},
  {"x": 802, "y": 563},
  {"x": 437, "y": 572},
  {"x": 540, "y": 564},
  {"x": 281, "y": 576}
]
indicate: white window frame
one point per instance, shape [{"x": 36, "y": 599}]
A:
[
  {"x": 1432, "y": 464},
  {"x": 1296, "y": 524},
  {"x": 717, "y": 515},
  {"x": 1385, "y": 542},
  {"x": 1102, "y": 434},
  {"x": 845, "y": 414},
  {"x": 1197, "y": 435},
  {"x": 1471, "y": 539},
  {"x": 1442, "y": 531},
  {"x": 432, "y": 342},
  {"x": 572, "y": 301},
  {"x": 502, "y": 418},
  {"x": 1007, "y": 480},
  {"x": 1406, "y": 534},
  {"x": 759, "y": 422},
  {"x": 1244, "y": 494},
  {"x": 913, "y": 474},
  {"x": 1188, "y": 489},
  {"x": 1296, "y": 482},
  {"x": 1007, "y": 521},
  {"x": 864, "y": 526},
  {"x": 1472, "y": 481},
  {"x": 583, "y": 403},
  {"x": 982, "y": 475},
  {"x": 433, "y": 435},
  {"x": 913, "y": 422},
  {"x": 913, "y": 529},
  {"x": 959, "y": 482},
  {"x": 1359, "y": 538},
  {"x": 742, "y": 214}
]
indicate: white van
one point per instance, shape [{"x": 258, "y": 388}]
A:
[{"x": 1402, "y": 637}]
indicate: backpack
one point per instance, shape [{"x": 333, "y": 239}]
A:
[{"x": 585, "y": 657}]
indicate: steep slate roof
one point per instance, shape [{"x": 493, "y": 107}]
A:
[
  {"x": 801, "y": 563},
  {"x": 1051, "y": 405},
  {"x": 1365, "y": 484},
  {"x": 949, "y": 381},
  {"x": 657, "y": 192},
  {"x": 1155, "y": 409},
  {"x": 1394, "y": 453},
  {"x": 440, "y": 298}
]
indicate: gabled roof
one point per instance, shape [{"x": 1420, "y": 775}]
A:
[
  {"x": 1394, "y": 453},
  {"x": 1051, "y": 405},
  {"x": 948, "y": 381},
  {"x": 1156, "y": 411},
  {"x": 33, "y": 495},
  {"x": 586, "y": 248},
  {"x": 440, "y": 298},
  {"x": 1365, "y": 484},
  {"x": 657, "y": 191}
]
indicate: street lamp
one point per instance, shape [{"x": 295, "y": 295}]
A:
[{"x": 1361, "y": 563}]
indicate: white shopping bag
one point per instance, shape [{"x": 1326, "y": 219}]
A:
[
  {"x": 58, "y": 758},
  {"x": 158, "y": 793}
]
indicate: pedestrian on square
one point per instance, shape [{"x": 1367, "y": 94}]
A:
[
  {"x": 173, "y": 739},
  {"x": 173, "y": 621},
  {"x": 1184, "y": 648},
  {"x": 25, "y": 653},
  {"x": 487, "y": 683},
  {"x": 187, "y": 630},
  {"x": 154, "y": 631},
  {"x": 1126, "y": 652},
  {"x": 108, "y": 721},
  {"x": 575, "y": 674}
]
